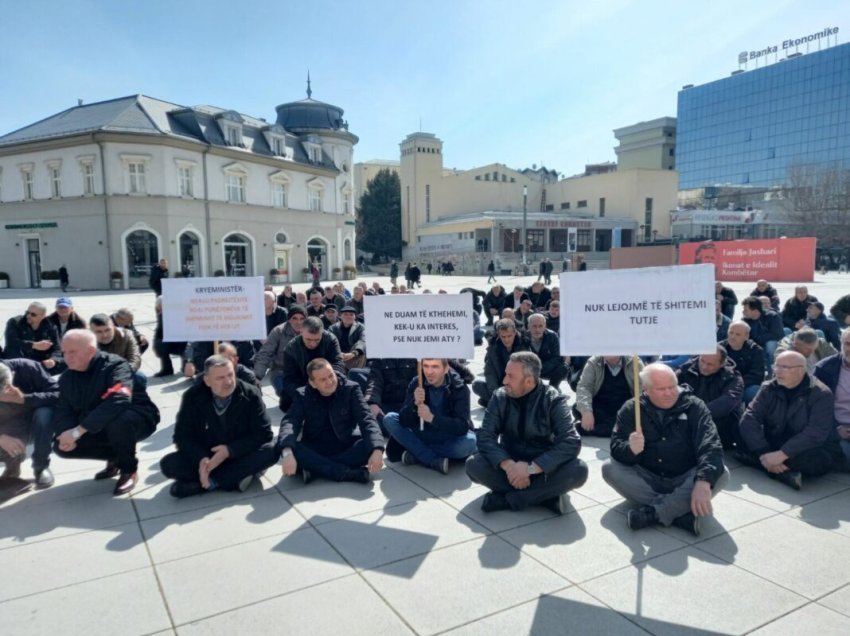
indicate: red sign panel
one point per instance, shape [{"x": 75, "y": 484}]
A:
[{"x": 787, "y": 260}]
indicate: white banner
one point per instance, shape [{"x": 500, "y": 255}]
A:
[
  {"x": 419, "y": 326},
  {"x": 213, "y": 309},
  {"x": 646, "y": 311}
]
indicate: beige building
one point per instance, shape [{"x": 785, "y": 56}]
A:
[
  {"x": 365, "y": 171},
  {"x": 649, "y": 144}
]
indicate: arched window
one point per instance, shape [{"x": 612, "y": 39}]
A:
[
  {"x": 142, "y": 249},
  {"x": 238, "y": 255},
  {"x": 190, "y": 254}
]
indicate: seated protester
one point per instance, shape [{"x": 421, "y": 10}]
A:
[
  {"x": 275, "y": 314},
  {"x": 286, "y": 298},
  {"x": 377, "y": 290},
  {"x": 765, "y": 327},
  {"x": 714, "y": 380},
  {"x": 164, "y": 350},
  {"x": 494, "y": 303},
  {"x": 806, "y": 342},
  {"x": 313, "y": 342},
  {"x": 317, "y": 433},
  {"x": 766, "y": 290},
  {"x": 834, "y": 372},
  {"x": 547, "y": 346},
  {"x": 674, "y": 466},
  {"x": 340, "y": 289},
  {"x": 607, "y": 382},
  {"x": 198, "y": 351},
  {"x": 527, "y": 446},
  {"x": 124, "y": 318},
  {"x": 505, "y": 341},
  {"x": 556, "y": 297},
  {"x": 386, "y": 390},
  {"x": 722, "y": 322},
  {"x": 32, "y": 336},
  {"x": 819, "y": 321},
  {"x": 101, "y": 412},
  {"x": 315, "y": 307},
  {"x": 747, "y": 356},
  {"x": 270, "y": 355},
  {"x": 539, "y": 295},
  {"x": 65, "y": 317},
  {"x": 115, "y": 340},
  {"x": 352, "y": 339},
  {"x": 331, "y": 297},
  {"x": 356, "y": 301},
  {"x": 515, "y": 299},
  {"x": 28, "y": 394},
  {"x": 442, "y": 407},
  {"x": 301, "y": 299},
  {"x": 509, "y": 314},
  {"x": 524, "y": 312},
  {"x": 728, "y": 299},
  {"x": 788, "y": 430},
  {"x": 553, "y": 316},
  {"x": 795, "y": 311},
  {"x": 331, "y": 316},
  {"x": 228, "y": 350},
  {"x": 841, "y": 311},
  {"x": 478, "y": 296},
  {"x": 223, "y": 434}
]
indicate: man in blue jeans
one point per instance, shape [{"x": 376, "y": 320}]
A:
[{"x": 442, "y": 407}]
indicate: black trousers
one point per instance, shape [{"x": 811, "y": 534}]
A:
[
  {"x": 228, "y": 474},
  {"x": 116, "y": 442},
  {"x": 331, "y": 466},
  {"x": 812, "y": 463},
  {"x": 543, "y": 486}
]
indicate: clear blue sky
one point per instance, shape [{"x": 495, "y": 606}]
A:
[{"x": 545, "y": 84}]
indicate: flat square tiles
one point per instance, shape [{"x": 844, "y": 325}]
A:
[
  {"x": 811, "y": 618},
  {"x": 227, "y": 523},
  {"x": 462, "y": 583},
  {"x": 831, "y": 513},
  {"x": 755, "y": 486},
  {"x": 596, "y": 488},
  {"x": 128, "y": 603},
  {"x": 45, "y": 565},
  {"x": 343, "y": 606},
  {"x": 691, "y": 590},
  {"x": 838, "y": 600},
  {"x": 569, "y": 611},
  {"x": 788, "y": 552},
  {"x": 432, "y": 481},
  {"x": 373, "y": 539},
  {"x": 588, "y": 543},
  {"x": 207, "y": 584}
]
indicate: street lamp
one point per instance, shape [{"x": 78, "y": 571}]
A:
[{"x": 524, "y": 236}]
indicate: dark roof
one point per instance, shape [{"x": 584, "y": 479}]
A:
[{"x": 310, "y": 114}]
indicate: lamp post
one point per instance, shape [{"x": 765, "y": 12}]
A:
[{"x": 524, "y": 237}]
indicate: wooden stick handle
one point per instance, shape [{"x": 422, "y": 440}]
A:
[
  {"x": 419, "y": 373},
  {"x": 636, "y": 377}
]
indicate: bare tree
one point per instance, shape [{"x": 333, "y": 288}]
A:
[{"x": 817, "y": 198}]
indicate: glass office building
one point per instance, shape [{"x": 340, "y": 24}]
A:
[{"x": 748, "y": 129}]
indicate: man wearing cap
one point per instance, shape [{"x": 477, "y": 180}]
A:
[
  {"x": 331, "y": 316},
  {"x": 313, "y": 342},
  {"x": 65, "y": 318},
  {"x": 352, "y": 338},
  {"x": 270, "y": 355},
  {"x": 32, "y": 336},
  {"x": 820, "y": 321}
]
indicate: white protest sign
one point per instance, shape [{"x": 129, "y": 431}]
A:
[
  {"x": 213, "y": 309},
  {"x": 646, "y": 311},
  {"x": 419, "y": 326}
]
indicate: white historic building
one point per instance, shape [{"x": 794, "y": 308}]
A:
[{"x": 114, "y": 186}]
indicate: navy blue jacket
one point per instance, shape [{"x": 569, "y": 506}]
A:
[{"x": 454, "y": 421}]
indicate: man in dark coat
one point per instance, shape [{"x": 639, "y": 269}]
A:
[
  {"x": 386, "y": 391},
  {"x": 765, "y": 327},
  {"x": 313, "y": 342},
  {"x": 828, "y": 326},
  {"x": 747, "y": 356},
  {"x": 101, "y": 412},
  {"x": 539, "y": 295},
  {"x": 158, "y": 272},
  {"x": 674, "y": 465},
  {"x": 223, "y": 434},
  {"x": 546, "y": 344},
  {"x": 494, "y": 302},
  {"x": 32, "y": 336},
  {"x": 766, "y": 290},
  {"x": 505, "y": 341},
  {"x": 527, "y": 446},
  {"x": 788, "y": 430},
  {"x": 834, "y": 372},
  {"x": 351, "y": 336},
  {"x": 795, "y": 311},
  {"x": 728, "y": 299},
  {"x": 317, "y": 433},
  {"x": 841, "y": 311}
]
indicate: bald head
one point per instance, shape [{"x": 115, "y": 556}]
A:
[
  {"x": 79, "y": 346},
  {"x": 790, "y": 369},
  {"x": 660, "y": 385}
]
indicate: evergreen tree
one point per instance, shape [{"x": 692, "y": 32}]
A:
[{"x": 379, "y": 215}]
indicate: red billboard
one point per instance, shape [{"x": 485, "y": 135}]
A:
[{"x": 785, "y": 260}]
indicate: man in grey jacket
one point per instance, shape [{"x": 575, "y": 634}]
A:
[
  {"x": 270, "y": 355},
  {"x": 527, "y": 446}
]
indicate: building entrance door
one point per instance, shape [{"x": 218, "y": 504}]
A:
[{"x": 34, "y": 261}]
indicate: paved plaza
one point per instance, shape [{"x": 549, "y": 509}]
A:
[{"x": 412, "y": 553}]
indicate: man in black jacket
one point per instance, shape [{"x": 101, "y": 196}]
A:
[
  {"x": 747, "y": 356},
  {"x": 317, "y": 432},
  {"x": 714, "y": 380},
  {"x": 222, "y": 434},
  {"x": 546, "y": 344},
  {"x": 674, "y": 465},
  {"x": 504, "y": 342},
  {"x": 313, "y": 342},
  {"x": 527, "y": 446},
  {"x": 33, "y": 336},
  {"x": 765, "y": 327},
  {"x": 351, "y": 336},
  {"x": 442, "y": 407},
  {"x": 795, "y": 311},
  {"x": 101, "y": 412},
  {"x": 158, "y": 272},
  {"x": 494, "y": 302}
]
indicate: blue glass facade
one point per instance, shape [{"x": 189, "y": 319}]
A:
[{"x": 748, "y": 129}]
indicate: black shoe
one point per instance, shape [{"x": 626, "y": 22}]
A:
[
  {"x": 357, "y": 475},
  {"x": 642, "y": 517},
  {"x": 790, "y": 478},
  {"x": 107, "y": 473},
  {"x": 688, "y": 522},
  {"x": 43, "y": 477},
  {"x": 164, "y": 373},
  {"x": 441, "y": 465},
  {"x": 181, "y": 489},
  {"x": 306, "y": 475},
  {"x": 243, "y": 484},
  {"x": 126, "y": 483},
  {"x": 408, "y": 458},
  {"x": 558, "y": 505},
  {"x": 494, "y": 501},
  {"x": 12, "y": 470}
]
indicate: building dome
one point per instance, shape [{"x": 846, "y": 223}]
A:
[{"x": 310, "y": 114}]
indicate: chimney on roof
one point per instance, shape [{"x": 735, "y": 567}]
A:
[{"x": 79, "y": 101}]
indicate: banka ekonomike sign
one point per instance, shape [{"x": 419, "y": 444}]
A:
[{"x": 747, "y": 56}]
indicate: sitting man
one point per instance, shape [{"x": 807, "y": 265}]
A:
[
  {"x": 386, "y": 391},
  {"x": 27, "y": 397},
  {"x": 313, "y": 342},
  {"x": 229, "y": 351},
  {"x": 270, "y": 355},
  {"x": 553, "y": 316},
  {"x": 65, "y": 317},
  {"x": 316, "y": 307},
  {"x": 714, "y": 380},
  {"x": 222, "y": 434},
  {"x": 275, "y": 314},
  {"x": 494, "y": 303},
  {"x": 818, "y": 320},
  {"x": 747, "y": 356},
  {"x": 789, "y": 430},
  {"x": 722, "y": 322},
  {"x": 442, "y": 407},
  {"x": 32, "y": 336},
  {"x": 728, "y": 299},
  {"x": 840, "y": 311},
  {"x": 546, "y": 344},
  {"x": 539, "y": 295},
  {"x": 764, "y": 289},
  {"x": 118, "y": 341},
  {"x": 318, "y": 431},
  {"x": 101, "y": 412},
  {"x": 505, "y": 341},
  {"x": 674, "y": 465},
  {"x": 765, "y": 327},
  {"x": 606, "y": 383},
  {"x": 515, "y": 300},
  {"x": 351, "y": 337},
  {"x": 527, "y": 445},
  {"x": 124, "y": 318},
  {"x": 834, "y": 372},
  {"x": 795, "y": 311},
  {"x": 805, "y": 341}
]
